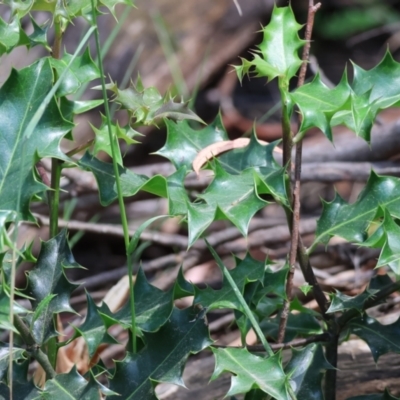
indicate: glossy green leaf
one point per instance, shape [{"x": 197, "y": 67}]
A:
[
  {"x": 246, "y": 270},
  {"x": 70, "y": 108},
  {"x": 94, "y": 328},
  {"x": 182, "y": 288},
  {"x": 82, "y": 70},
  {"x": 19, "y": 7},
  {"x": 46, "y": 279},
  {"x": 72, "y": 386},
  {"x": 153, "y": 307},
  {"x": 39, "y": 35},
  {"x": 270, "y": 176},
  {"x": 17, "y": 355},
  {"x": 278, "y": 52},
  {"x": 163, "y": 358},
  {"x": 318, "y": 104},
  {"x": 251, "y": 371},
  {"x": 350, "y": 221},
  {"x": 231, "y": 197},
  {"x": 341, "y": 302},
  {"x": 146, "y": 106},
  {"x": 11, "y": 35},
  {"x": 297, "y": 325},
  {"x": 20, "y": 97},
  {"x": 184, "y": 143},
  {"x": 381, "y": 339},
  {"x": 306, "y": 370},
  {"x": 5, "y": 322}
]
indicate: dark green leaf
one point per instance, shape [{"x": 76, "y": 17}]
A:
[
  {"x": 246, "y": 270},
  {"x": 182, "y": 288},
  {"x": 20, "y": 97},
  {"x": 184, "y": 143},
  {"x": 341, "y": 302},
  {"x": 163, "y": 358},
  {"x": 306, "y": 370},
  {"x": 48, "y": 278},
  {"x": 153, "y": 307},
  {"x": 17, "y": 355},
  {"x": 94, "y": 329},
  {"x": 279, "y": 48},
  {"x": 350, "y": 221},
  {"x": 251, "y": 372},
  {"x": 381, "y": 339}
]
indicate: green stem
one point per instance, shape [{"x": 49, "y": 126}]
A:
[
  {"x": 242, "y": 301},
  {"x": 33, "y": 349},
  {"x": 115, "y": 152}
]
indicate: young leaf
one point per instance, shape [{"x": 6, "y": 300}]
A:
[
  {"x": 350, "y": 221},
  {"x": 47, "y": 279},
  {"x": 251, "y": 371},
  {"x": 163, "y": 357},
  {"x": 184, "y": 143},
  {"x": 11, "y": 35},
  {"x": 246, "y": 270},
  {"x": 278, "y": 50},
  {"x": 381, "y": 339},
  {"x": 306, "y": 370}
]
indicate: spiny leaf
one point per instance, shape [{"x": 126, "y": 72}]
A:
[
  {"x": 102, "y": 138},
  {"x": 184, "y": 143},
  {"x": 11, "y": 35},
  {"x": 231, "y": 197},
  {"x": 94, "y": 329},
  {"x": 82, "y": 70},
  {"x": 153, "y": 307},
  {"x": 146, "y": 106},
  {"x": 246, "y": 270},
  {"x": 16, "y": 353},
  {"x": 350, "y": 221},
  {"x": 251, "y": 371},
  {"x": 70, "y": 108},
  {"x": 279, "y": 48},
  {"x": 48, "y": 278},
  {"x": 5, "y": 322},
  {"x": 381, "y": 339},
  {"x": 20, "y": 97},
  {"x": 163, "y": 358},
  {"x": 318, "y": 103},
  {"x": 306, "y": 370}
]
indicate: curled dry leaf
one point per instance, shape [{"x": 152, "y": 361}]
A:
[{"x": 217, "y": 148}]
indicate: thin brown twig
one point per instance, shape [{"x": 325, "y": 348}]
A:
[{"x": 295, "y": 215}]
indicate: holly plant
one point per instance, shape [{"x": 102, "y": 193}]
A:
[{"x": 38, "y": 105}]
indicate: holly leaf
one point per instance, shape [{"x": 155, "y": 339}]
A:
[
  {"x": 11, "y": 35},
  {"x": 17, "y": 355},
  {"x": 270, "y": 176},
  {"x": 39, "y": 35},
  {"x": 163, "y": 358},
  {"x": 82, "y": 70},
  {"x": 70, "y": 108},
  {"x": 297, "y": 325},
  {"x": 111, "y": 4},
  {"x": 5, "y": 322},
  {"x": 153, "y": 307},
  {"x": 381, "y": 339},
  {"x": 102, "y": 138},
  {"x": 251, "y": 372},
  {"x": 19, "y": 7},
  {"x": 306, "y": 370},
  {"x": 184, "y": 143},
  {"x": 342, "y": 302},
  {"x": 350, "y": 221},
  {"x": 278, "y": 52},
  {"x": 94, "y": 329},
  {"x": 318, "y": 103},
  {"x": 20, "y": 98},
  {"x": 48, "y": 280},
  {"x": 182, "y": 288},
  {"x": 73, "y": 386},
  {"x": 146, "y": 106},
  {"x": 246, "y": 270},
  {"x": 231, "y": 197}
]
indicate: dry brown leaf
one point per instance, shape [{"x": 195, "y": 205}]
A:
[{"x": 215, "y": 149}]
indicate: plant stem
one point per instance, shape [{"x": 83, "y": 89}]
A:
[
  {"x": 115, "y": 152},
  {"x": 33, "y": 349},
  {"x": 331, "y": 354},
  {"x": 295, "y": 194}
]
